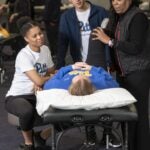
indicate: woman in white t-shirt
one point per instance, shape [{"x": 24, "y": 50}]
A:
[{"x": 32, "y": 66}]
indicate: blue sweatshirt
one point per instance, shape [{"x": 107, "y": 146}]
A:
[{"x": 97, "y": 75}]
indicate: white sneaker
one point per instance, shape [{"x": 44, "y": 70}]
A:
[{"x": 114, "y": 145}]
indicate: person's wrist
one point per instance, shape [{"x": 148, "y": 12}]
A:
[{"x": 111, "y": 43}]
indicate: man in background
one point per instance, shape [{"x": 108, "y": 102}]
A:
[
  {"x": 51, "y": 18},
  {"x": 2, "y": 8},
  {"x": 75, "y": 29}
]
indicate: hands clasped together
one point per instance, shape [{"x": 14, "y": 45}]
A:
[{"x": 81, "y": 65}]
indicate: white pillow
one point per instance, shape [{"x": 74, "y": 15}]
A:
[{"x": 60, "y": 98}]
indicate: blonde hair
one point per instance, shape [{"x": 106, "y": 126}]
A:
[{"x": 81, "y": 88}]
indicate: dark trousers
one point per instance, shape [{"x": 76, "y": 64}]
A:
[
  {"x": 24, "y": 107},
  {"x": 138, "y": 84},
  {"x": 52, "y": 35},
  {"x": 97, "y": 54}
]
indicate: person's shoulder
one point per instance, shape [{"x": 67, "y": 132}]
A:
[
  {"x": 140, "y": 17},
  {"x": 23, "y": 54},
  {"x": 45, "y": 48},
  {"x": 136, "y": 11},
  {"x": 68, "y": 12},
  {"x": 23, "y": 51},
  {"x": 99, "y": 10},
  {"x": 97, "y": 7}
]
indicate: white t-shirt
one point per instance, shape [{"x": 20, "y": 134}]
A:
[
  {"x": 85, "y": 30},
  {"x": 28, "y": 60}
]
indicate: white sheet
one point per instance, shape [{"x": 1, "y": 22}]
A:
[{"x": 59, "y": 98}]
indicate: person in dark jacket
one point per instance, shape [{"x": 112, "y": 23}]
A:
[
  {"x": 10, "y": 5},
  {"x": 132, "y": 62},
  {"x": 2, "y": 7},
  {"x": 51, "y": 18},
  {"x": 75, "y": 27},
  {"x": 21, "y": 8}
]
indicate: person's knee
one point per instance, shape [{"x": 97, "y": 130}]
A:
[{"x": 27, "y": 114}]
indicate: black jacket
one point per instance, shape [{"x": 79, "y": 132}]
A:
[
  {"x": 52, "y": 11},
  {"x": 130, "y": 41}
]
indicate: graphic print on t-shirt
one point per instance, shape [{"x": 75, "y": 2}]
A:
[
  {"x": 41, "y": 68},
  {"x": 84, "y": 28}
]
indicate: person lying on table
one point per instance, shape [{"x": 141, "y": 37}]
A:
[{"x": 81, "y": 79}]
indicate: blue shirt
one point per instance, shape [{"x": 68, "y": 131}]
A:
[{"x": 97, "y": 75}]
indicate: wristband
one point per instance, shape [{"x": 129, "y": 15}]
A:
[{"x": 111, "y": 43}]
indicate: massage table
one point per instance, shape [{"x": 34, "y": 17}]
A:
[{"x": 101, "y": 108}]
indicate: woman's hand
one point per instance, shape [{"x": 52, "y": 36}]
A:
[
  {"x": 86, "y": 67},
  {"x": 99, "y": 34},
  {"x": 81, "y": 65},
  {"x": 37, "y": 88}
]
